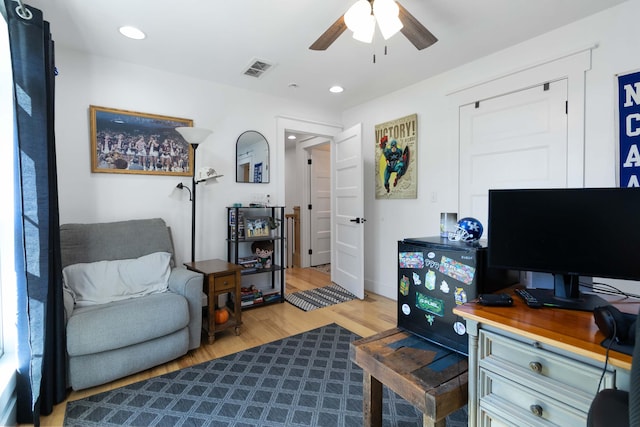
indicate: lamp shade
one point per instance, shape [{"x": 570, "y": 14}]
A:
[
  {"x": 386, "y": 13},
  {"x": 357, "y": 15},
  {"x": 362, "y": 22},
  {"x": 194, "y": 136},
  {"x": 365, "y": 30}
]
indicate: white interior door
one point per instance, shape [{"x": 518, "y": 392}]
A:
[
  {"x": 517, "y": 140},
  {"x": 320, "y": 192},
  {"x": 347, "y": 257}
]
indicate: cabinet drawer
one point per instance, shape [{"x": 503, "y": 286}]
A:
[
  {"x": 223, "y": 283},
  {"x": 508, "y": 403},
  {"x": 528, "y": 362}
]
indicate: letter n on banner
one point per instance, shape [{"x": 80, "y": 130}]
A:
[{"x": 629, "y": 129}]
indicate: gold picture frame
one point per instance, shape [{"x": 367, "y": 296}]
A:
[{"x": 138, "y": 143}]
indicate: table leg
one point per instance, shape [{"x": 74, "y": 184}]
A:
[
  {"x": 429, "y": 422},
  {"x": 472, "y": 407},
  {"x": 372, "y": 402}
]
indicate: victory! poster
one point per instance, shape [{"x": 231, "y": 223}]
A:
[{"x": 396, "y": 158}]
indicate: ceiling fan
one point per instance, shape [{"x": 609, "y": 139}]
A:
[{"x": 410, "y": 26}]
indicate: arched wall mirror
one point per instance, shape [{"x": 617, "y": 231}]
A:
[{"x": 252, "y": 158}]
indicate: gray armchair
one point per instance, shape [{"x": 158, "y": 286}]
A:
[{"x": 118, "y": 338}]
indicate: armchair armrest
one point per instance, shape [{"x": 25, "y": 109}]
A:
[
  {"x": 69, "y": 303},
  {"x": 189, "y": 284}
]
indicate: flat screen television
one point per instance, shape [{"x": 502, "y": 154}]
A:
[{"x": 568, "y": 233}]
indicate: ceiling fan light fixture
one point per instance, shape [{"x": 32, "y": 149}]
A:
[
  {"x": 386, "y": 13},
  {"x": 360, "y": 20},
  {"x": 364, "y": 32},
  {"x": 389, "y": 26}
]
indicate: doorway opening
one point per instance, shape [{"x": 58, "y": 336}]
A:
[
  {"x": 310, "y": 193},
  {"x": 308, "y": 186}
]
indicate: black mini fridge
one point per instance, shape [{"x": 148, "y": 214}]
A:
[{"x": 434, "y": 276}]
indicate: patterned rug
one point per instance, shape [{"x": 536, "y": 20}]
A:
[
  {"x": 319, "y": 297},
  {"x": 323, "y": 268},
  {"x": 303, "y": 380}
]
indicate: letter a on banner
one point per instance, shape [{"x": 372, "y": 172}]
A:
[{"x": 628, "y": 132}]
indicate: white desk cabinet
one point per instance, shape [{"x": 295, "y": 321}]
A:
[{"x": 536, "y": 367}]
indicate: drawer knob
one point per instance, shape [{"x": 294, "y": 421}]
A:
[
  {"x": 535, "y": 366},
  {"x": 536, "y": 410}
]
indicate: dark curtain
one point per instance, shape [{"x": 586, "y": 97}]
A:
[{"x": 41, "y": 338}]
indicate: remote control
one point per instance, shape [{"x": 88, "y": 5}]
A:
[{"x": 529, "y": 299}]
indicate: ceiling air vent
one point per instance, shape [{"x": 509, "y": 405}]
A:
[{"x": 257, "y": 68}]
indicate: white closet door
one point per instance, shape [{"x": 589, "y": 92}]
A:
[{"x": 517, "y": 140}]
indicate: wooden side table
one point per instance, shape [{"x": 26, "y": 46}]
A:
[
  {"x": 220, "y": 277},
  {"x": 432, "y": 379}
]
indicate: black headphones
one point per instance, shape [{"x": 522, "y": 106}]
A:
[{"x": 615, "y": 325}]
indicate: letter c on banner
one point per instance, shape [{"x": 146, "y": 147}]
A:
[{"x": 631, "y": 120}]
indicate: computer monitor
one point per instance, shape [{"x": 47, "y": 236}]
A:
[{"x": 569, "y": 233}]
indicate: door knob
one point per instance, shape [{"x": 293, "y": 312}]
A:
[{"x": 358, "y": 220}]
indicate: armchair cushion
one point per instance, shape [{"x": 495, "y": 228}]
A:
[
  {"x": 99, "y": 328},
  {"x": 102, "y": 282},
  {"x": 113, "y": 240}
]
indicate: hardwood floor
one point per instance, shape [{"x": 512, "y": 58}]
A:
[{"x": 265, "y": 324}]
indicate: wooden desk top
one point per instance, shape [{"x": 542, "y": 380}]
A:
[{"x": 570, "y": 330}]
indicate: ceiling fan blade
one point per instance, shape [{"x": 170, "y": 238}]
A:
[
  {"x": 329, "y": 36},
  {"x": 414, "y": 30}
]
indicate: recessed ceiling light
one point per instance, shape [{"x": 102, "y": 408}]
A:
[
  {"x": 132, "y": 32},
  {"x": 291, "y": 137},
  {"x": 336, "y": 89}
]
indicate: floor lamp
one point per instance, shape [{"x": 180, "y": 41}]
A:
[{"x": 194, "y": 136}]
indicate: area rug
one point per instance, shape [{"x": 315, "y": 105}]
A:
[
  {"x": 319, "y": 297},
  {"x": 303, "y": 380},
  {"x": 323, "y": 268}
]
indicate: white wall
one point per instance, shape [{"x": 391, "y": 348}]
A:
[
  {"x": 95, "y": 197},
  {"x": 87, "y": 197},
  {"x": 392, "y": 220}
]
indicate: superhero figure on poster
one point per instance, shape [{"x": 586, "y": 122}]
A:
[{"x": 397, "y": 161}]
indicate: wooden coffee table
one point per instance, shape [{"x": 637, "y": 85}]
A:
[{"x": 430, "y": 378}]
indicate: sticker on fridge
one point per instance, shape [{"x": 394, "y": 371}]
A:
[
  {"x": 457, "y": 270},
  {"x": 411, "y": 259},
  {"x": 430, "y": 304}
]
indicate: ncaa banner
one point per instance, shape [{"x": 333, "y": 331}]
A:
[{"x": 629, "y": 129}]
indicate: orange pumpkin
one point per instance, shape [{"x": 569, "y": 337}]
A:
[{"x": 221, "y": 315}]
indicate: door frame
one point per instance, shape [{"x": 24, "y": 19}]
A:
[{"x": 325, "y": 133}]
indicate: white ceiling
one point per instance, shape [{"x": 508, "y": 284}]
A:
[{"x": 217, "y": 39}]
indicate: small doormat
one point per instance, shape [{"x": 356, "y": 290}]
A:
[
  {"x": 319, "y": 297},
  {"x": 323, "y": 268}
]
